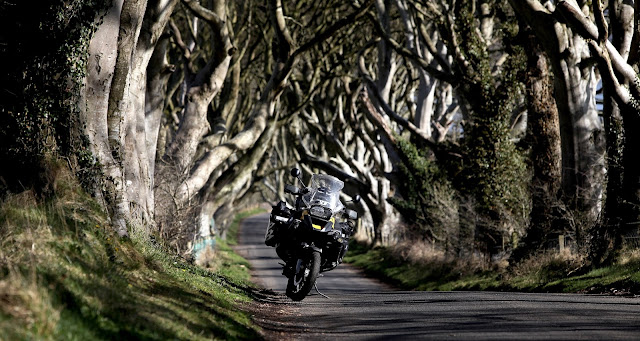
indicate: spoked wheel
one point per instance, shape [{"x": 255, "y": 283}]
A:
[{"x": 306, "y": 273}]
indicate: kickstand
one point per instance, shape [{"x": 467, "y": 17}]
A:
[{"x": 315, "y": 285}]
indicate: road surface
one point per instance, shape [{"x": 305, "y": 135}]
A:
[{"x": 360, "y": 308}]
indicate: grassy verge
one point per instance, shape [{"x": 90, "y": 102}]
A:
[
  {"x": 551, "y": 272},
  {"x": 232, "y": 230},
  {"x": 65, "y": 275}
]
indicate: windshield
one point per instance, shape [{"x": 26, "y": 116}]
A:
[{"x": 324, "y": 190}]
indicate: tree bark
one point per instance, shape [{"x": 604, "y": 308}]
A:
[
  {"x": 621, "y": 84},
  {"x": 114, "y": 106},
  {"x": 543, "y": 137},
  {"x": 103, "y": 51},
  {"x": 580, "y": 127}
]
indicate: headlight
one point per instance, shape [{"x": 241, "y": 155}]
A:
[{"x": 320, "y": 212}]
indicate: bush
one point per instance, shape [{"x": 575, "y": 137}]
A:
[
  {"x": 45, "y": 64},
  {"x": 425, "y": 197}
]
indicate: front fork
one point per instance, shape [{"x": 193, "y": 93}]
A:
[{"x": 304, "y": 252}]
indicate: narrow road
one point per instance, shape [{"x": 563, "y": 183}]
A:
[
  {"x": 363, "y": 309},
  {"x": 268, "y": 273}
]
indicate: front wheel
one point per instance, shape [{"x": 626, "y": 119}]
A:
[{"x": 306, "y": 273}]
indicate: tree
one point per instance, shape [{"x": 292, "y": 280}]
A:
[
  {"x": 618, "y": 64},
  {"x": 188, "y": 109},
  {"x": 475, "y": 57},
  {"x": 113, "y": 103},
  {"x": 543, "y": 141},
  {"x": 575, "y": 90}
]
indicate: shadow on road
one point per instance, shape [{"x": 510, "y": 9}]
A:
[{"x": 361, "y": 308}]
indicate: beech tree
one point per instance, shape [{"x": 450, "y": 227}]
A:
[
  {"x": 138, "y": 192},
  {"x": 123, "y": 111},
  {"x": 617, "y": 60},
  {"x": 458, "y": 122},
  {"x": 471, "y": 55},
  {"x": 575, "y": 84}
]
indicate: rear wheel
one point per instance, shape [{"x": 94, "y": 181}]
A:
[{"x": 304, "y": 277}]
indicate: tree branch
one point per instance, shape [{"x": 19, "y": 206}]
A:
[
  {"x": 212, "y": 18},
  {"x": 342, "y": 150},
  {"x": 600, "y": 21},
  {"x": 420, "y": 135},
  {"x": 326, "y": 34},
  {"x": 588, "y": 30},
  {"x": 405, "y": 52},
  {"x": 312, "y": 160}
]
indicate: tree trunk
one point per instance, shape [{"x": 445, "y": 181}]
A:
[
  {"x": 104, "y": 104},
  {"x": 580, "y": 127},
  {"x": 626, "y": 38},
  {"x": 620, "y": 82},
  {"x": 543, "y": 137},
  {"x": 114, "y": 108}
]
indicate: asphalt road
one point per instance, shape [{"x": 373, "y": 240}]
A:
[{"x": 361, "y": 308}]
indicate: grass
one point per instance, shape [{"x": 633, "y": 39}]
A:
[
  {"x": 229, "y": 264},
  {"x": 232, "y": 230},
  {"x": 548, "y": 272},
  {"x": 620, "y": 278},
  {"x": 64, "y": 275}
]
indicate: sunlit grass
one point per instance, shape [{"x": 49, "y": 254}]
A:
[
  {"x": 232, "y": 230},
  {"x": 65, "y": 275},
  {"x": 547, "y": 272}
]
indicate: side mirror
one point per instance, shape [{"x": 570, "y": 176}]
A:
[
  {"x": 357, "y": 198},
  {"x": 295, "y": 172},
  {"x": 291, "y": 189},
  {"x": 351, "y": 214}
]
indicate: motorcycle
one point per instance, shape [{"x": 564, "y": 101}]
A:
[{"x": 313, "y": 236}]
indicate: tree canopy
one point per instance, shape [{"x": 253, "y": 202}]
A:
[{"x": 485, "y": 127}]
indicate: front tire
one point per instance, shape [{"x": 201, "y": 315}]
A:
[{"x": 304, "y": 277}]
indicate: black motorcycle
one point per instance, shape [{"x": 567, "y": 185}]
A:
[{"x": 313, "y": 237}]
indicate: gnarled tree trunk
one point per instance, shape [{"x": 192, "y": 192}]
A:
[{"x": 580, "y": 127}]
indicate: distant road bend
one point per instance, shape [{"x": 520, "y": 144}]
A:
[{"x": 361, "y": 308}]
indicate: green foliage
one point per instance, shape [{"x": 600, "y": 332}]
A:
[
  {"x": 427, "y": 195},
  {"x": 46, "y": 64},
  {"x": 617, "y": 279},
  {"x": 495, "y": 171},
  {"x": 550, "y": 272},
  {"x": 381, "y": 263},
  {"x": 65, "y": 275}
]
